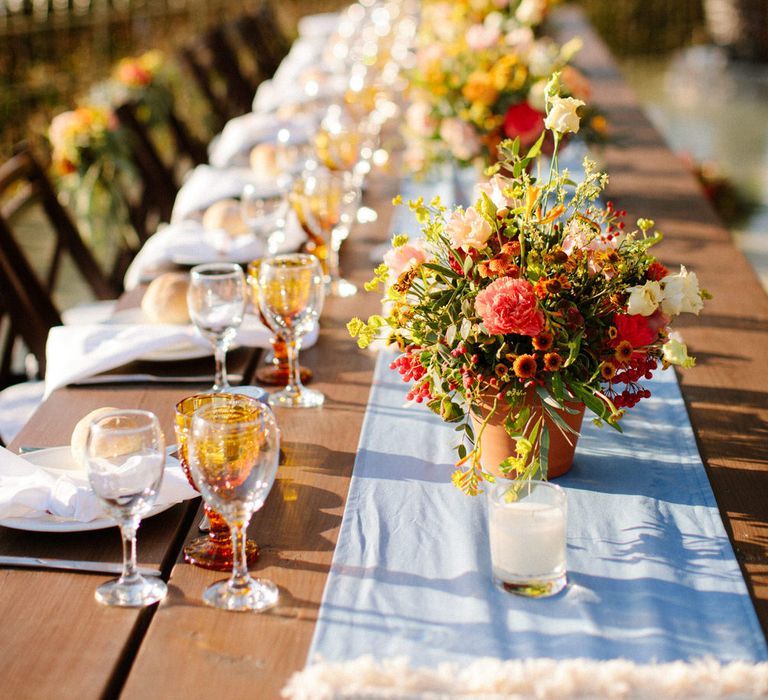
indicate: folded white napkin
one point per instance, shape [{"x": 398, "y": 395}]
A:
[
  {"x": 206, "y": 185},
  {"x": 188, "y": 243},
  {"x": 322, "y": 24},
  {"x": 29, "y": 491},
  {"x": 242, "y": 133},
  {"x": 74, "y": 353},
  {"x": 305, "y": 52},
  {"x": 310, "y": 93}
]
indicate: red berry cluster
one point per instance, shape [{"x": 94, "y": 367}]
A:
[
  {"x": 640, "y": 368},
  {"x": 411, "y": 370}
]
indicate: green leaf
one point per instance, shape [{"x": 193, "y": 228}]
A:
[
  {"x": 447, "y": 271},
  {"x": 535, "y": 150}
]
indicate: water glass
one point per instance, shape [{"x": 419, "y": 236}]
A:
[
  {"x": 526, "y": 526},
  {"x": 265, "y": 215},
  {"x": 233, "y": 452},
  {"x": 125, "y": 457},
  {"x": 291, "y": 292},
  {"x": 216, "y": 302}
]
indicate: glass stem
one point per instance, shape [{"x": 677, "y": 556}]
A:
[
  {"x": 220, "y": 356},
  {"x": 293, "y": 387},
  {"x": 128, "y": 534},
  {"x": 333, "y": 258},
  {"x": 240, "y": 575}
]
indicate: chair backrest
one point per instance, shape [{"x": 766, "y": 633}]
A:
[
  {"x": 159, "y": 184},
  {"x": 24, "y": 184},
  {"x": 260, "y": 31},
  {"x": 25, "y": 306},
  {"x": 212, "y": 60}
]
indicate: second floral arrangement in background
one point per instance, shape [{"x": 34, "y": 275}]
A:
[{"x": 527, "y": 306}]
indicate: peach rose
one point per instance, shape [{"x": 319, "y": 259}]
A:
[
  {"x": 399, "y": 259},
  {"x": 508, "y": 305},
  {"x": 468, "y": 229}
]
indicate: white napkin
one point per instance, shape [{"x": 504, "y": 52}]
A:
[
  {"x": 74, "y": 353},
  {"x": 29, "y": 491},
  {"x": 322, "y": 24},
  {"x": 242, "y": 133},
  {"x": 206, "y": 185},
  {"x": 305, "y": 52},
  {"x": 294, "y": 90},
  {"x": 187, "y": 242}
]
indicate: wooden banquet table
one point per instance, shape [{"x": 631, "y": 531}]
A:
[{"x": 57, "y": 641}]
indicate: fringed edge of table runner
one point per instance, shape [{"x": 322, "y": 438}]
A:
[{"x": 488, "y": 679}]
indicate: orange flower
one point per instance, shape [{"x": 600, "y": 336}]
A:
[
  {"x": 623, "y": 351},
  {"x": 525, "y": 366},
  {"x": 552, "y": 362},
  {"x": 607, "y": 370},
  {"x": 543, "y": 341},
  {"x": 480, "y": 89}
]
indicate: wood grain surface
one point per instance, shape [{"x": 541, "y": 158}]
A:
[{"x": 58, "y": 642}]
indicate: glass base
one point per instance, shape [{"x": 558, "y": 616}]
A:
[
  {"x": 306, "y": 398},
  {"x": 533, "y": 588},
  {"x": 340, "y": 288},
  {"x": 210, "y": 553},
  {"x": 137, "y": 594},
  {"x": 277, "y": 375},
  {"x": 257, "y": 595}
]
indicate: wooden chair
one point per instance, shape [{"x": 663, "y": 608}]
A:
[
  {"x": 23, "y": 185},
  {"x": 213, "y": 62},
  {"x": 28, "y": 314},
  {"x": 261, "y": 33},
  {"x": 158, "y": 180}
]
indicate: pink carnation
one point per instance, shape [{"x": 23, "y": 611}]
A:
[{"x": 508, "y": 305}]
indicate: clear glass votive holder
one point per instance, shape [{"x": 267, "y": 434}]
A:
[{"x": 526, "y": 527}]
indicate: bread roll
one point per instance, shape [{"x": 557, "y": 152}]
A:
[
  {"x": 165, "y": 300},
  {"x": 264, "y": 160},
  {"x": 80, "y": 434},
  {"x": 225, "y": 214}
]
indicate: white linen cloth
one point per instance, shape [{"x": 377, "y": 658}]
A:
[
  {"x": 305, "y": 52},
  {"x": 322, "y": 24},
  {"x": 188, "y": 242},
  {"x": 74, "y": 353},
  {"x": 242, "y": 133},
  {"x": 493, "y": 679},
  {"x": 29, "y": 491},
  {"x": 302, "y": 87},
  {"x": 206, "y": 185}
]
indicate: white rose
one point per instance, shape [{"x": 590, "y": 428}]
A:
[
  {"x": 562, "y": 116},
  {"x": 645, "y": 299},
  {"x": 531, "y": 12},
  {"x": 675, "y": 352},
  {"x": 681, "y": 293}
]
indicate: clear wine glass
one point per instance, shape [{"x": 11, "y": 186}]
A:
[
  {"x": 125, "y": 457},
  {"x": 320, "y": 198},
  {"x": 291, "y": 298},
  {"x": 265, "y": 214},
  {"x": 216, "y": 301},
  {"x": 233, "y": 454}
]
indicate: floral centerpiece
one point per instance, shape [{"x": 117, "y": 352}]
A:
[
  {"x": 88, "y": 153},
  {"x": 529, "y": 302},
  {"x": 473, "y": 88}
]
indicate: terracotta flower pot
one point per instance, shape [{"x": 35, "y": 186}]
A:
[{"x": 496, "y": 445}]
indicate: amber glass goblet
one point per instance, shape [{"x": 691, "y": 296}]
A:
[
  {"x": 214, "y": 550},
  {"x": 276, "y": 371}
]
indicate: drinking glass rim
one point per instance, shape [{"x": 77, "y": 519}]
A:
[
  {"x": 211, "y": 398},
  {"x": 501, "y": 482},
  {"x": 303, "y": 260},
  {"x": 151, "y": 417},
  {"x": 216, "y": 269}
]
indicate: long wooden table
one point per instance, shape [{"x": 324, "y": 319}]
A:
[{"x": 58, "y": 642}]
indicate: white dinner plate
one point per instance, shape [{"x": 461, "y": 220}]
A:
[
  {"x": 182, "y": 351},
  {"x": 58, "y": 461}
]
